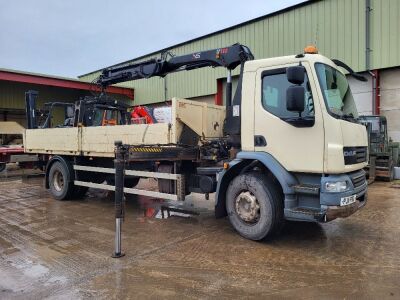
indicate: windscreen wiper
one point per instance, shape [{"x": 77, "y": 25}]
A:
[
  {"x": 348, "y": 117},
  {"x": 350, "y": 70}
]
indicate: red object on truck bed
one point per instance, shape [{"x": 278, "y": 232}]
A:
[{"x": 142, "y": 115}]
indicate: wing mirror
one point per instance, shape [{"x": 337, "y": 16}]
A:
[
  {"x": 295, "y": 98},
  {"x": 295, "y": 74}
]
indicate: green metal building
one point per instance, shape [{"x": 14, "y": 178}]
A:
[
  {"x": 337, "y": 27},
  {"x": 363, "y": 33}
]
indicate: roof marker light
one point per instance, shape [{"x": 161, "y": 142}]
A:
[{"x": 310, "y": 49}]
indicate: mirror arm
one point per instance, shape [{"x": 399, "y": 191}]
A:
[{"x": 350, "y": 70}]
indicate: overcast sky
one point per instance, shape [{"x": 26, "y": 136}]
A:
[{"x": 73, "y": 37}]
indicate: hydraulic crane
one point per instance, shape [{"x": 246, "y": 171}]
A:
[{"x": 228, "y": 57}]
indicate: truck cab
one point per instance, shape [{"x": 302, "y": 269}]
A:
[{"x": 313, "y": 154}]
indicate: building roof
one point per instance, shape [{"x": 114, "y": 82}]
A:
[{"x": 58, "y": 81}]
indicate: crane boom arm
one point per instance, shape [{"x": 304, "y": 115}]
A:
[{"x": 228, "y": 57}]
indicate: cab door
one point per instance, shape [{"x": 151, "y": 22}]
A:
[{"x": 298, "y": 146}]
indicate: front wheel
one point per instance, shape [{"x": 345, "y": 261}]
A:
[{"x": 254, "y": 206}]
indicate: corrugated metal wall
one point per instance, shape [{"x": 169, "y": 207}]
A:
[
  {"x": 390, "y": 101},
  {"x": 385, "y": 33},
  {"x": 12, "y": 94},
  {"x": 12, "y": 100},
  {"x": 337, "y": 27}
]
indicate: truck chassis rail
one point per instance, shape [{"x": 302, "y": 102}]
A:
[{"x": 179, "y": 196}]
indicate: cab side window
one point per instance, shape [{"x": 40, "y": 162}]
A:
[{"x": 274, "y": 86}]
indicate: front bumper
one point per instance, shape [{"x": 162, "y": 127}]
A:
[
  {"x": 330, "y": 202},
  {"x": 328, "y": 205},
  {"x": 333, "y": 212}
]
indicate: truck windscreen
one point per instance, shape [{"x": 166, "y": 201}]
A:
[{"x": 337, "y": 94}]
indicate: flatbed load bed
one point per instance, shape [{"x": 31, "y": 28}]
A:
[{"x": 205, "y": 120}]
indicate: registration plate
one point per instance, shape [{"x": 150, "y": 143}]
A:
[{"x": 347, "y": 200}]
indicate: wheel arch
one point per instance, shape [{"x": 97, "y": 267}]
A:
[{"x": 244, "y": 162}]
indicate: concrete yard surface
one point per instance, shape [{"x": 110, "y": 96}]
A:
[{"x": 62, "y": 250}]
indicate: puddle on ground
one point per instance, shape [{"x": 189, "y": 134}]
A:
[{"x": 35, "y": 271}]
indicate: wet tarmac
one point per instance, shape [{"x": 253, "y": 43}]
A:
[{"x": 62, "y": 250}]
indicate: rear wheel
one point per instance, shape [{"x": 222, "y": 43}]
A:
[
  {"x": 2, "y": 167},
  {"x": 60, "y": 183},
  {"x": 254, "y": 206}
]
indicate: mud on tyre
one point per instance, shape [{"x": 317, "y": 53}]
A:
[{"x": 254, "y": 206}]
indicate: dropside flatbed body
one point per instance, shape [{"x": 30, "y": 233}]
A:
[{"x": 98, "y": 141}]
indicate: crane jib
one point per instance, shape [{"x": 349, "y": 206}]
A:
[{"x": 228, "y": 57}]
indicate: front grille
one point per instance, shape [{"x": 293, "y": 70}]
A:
[
  {"x": 358, "y": 178},
  {"x": 354, "y": 155}
]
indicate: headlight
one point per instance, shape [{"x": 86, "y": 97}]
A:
[{"x": 335, "y": 186}]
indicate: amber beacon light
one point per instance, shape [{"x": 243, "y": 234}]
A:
[{"x": 310, "y": 49}]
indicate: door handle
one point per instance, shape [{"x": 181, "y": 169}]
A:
[{"x": 260, "y": 141}]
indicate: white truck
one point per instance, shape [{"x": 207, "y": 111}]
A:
[{"x": 286, "y": 147}]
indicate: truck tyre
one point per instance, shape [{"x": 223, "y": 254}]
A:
[
  {"x": 254, "y": 206},
  {"x": 2, "y": 167},
  {"x": 60, "y": 184}
]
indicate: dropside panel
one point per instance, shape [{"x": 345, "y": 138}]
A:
[
  {"x": 204, "y": 119},
  {"x": 99, "y": 141},
  {"x": 63, "y": 141}
]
